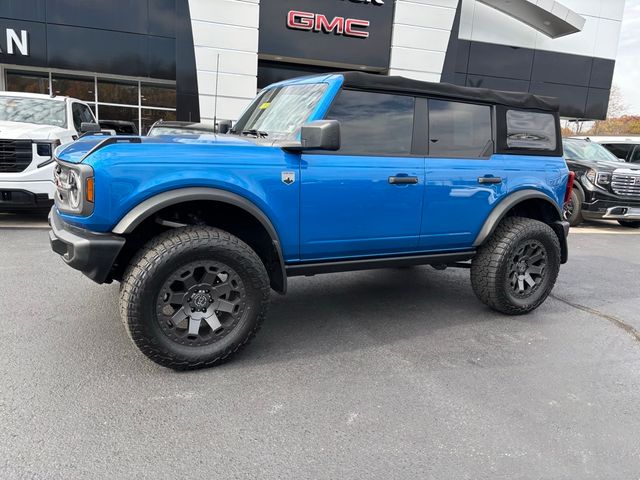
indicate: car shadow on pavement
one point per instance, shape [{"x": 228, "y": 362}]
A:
[
  {"x": 366, "y": 311},
  {"x": 24, "y": 220}
]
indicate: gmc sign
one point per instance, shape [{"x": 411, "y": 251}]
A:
[
  {"x": 341, "y": 34},
  {"x": 349, "y": 27}
]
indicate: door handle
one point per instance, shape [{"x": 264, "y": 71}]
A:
[
  {"x": 490, "y": 180},
  {"x": 403, "y": 180}
]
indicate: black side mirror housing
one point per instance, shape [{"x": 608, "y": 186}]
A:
[
  {"x": 224, "y": 126},
  {"x": 317, "y": 135},
  {"x": 89, "y": 127},
  {"x": 320, "y": 135}
]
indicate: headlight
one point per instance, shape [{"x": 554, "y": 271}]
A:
[
  {"x": 601, "y": 179},
  {"x": 74, "y": 188},
  {"x": 45, "y": 149}
]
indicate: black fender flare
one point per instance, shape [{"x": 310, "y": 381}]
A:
[
  {"x": 154, "y": 204},
  {"x": 559, "y": 226}
]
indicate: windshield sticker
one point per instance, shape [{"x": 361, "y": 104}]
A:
[{"x": 265, "y": 105}]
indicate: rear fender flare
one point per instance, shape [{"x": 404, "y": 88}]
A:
[{"x": 503, "y": 208}]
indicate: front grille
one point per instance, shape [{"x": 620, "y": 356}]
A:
[
  {"x": 15, "y": 155},
  {"x": 627, "y": 185}
]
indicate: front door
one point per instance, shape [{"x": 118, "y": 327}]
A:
[{"x": 366, "y": 198}]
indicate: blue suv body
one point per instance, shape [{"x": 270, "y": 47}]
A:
[{"x": 320, "y": 174}]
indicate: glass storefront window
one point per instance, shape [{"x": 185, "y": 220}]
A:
[
  {"x": 82, "y": 88},
  {"x": 27, "y": 82},
  {"x": 149, "y": 117},
  {"x": 140, "y": 102},
  {"x": 108, "y": 112},
  {"x": 158, "y": 96},
  {"x": 117, "y": 92}
]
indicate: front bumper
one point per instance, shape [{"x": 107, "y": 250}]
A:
[
  {"x": 14, "y": 200},
  {"x": 612, "y": 209},
  {"x": 91, "y": 253}
]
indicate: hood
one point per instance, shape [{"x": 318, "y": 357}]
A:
[
  {"x": 77, "y": 151},
  {"x": 28, "y": 131},
  {"x": 605, "y": 166}
]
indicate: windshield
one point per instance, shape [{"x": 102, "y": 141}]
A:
[
  {"x": 33, "y": 110},
  {"x": 280, "y": 112},
  {"x": 586, "y": 150},
  {"x": 157, "y": 131}
]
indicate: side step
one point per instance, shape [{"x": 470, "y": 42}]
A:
[{"x": 299, "y": 269}]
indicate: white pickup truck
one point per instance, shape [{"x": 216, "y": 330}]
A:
[{"x": 31, "y": 127}]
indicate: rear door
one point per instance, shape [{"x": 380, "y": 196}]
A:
[
  {"x": 463, "y": 179},
  {"x": 366, "y": 198}
]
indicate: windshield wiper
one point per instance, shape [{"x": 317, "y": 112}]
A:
[{"x": 255, "y": 133}]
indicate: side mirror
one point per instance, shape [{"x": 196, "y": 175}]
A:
[
  {"x": 317, "y": 135},
  {"x": 224, "y": 126},
  {"x": 89, "y": 127},
  {"x": 320, "y": 135}
]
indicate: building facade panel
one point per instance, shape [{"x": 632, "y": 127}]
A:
[{"x": 216, "y": 54}]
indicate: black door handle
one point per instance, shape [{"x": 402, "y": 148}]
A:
[
  {"x": 403, "y": 180},
  {"x": 489, "y": 180}
]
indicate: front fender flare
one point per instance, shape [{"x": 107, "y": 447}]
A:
[{"x": 152, "y": 205}]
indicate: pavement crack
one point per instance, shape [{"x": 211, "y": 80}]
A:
[{"x": 611, "y": 318}]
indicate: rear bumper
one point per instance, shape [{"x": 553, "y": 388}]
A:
[{"x": 91, "y": 253}]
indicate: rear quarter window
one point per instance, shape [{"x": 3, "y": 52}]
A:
[{"x": 531, "y": 130}]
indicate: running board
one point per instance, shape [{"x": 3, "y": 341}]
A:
[{"x": 299, "y": 269}]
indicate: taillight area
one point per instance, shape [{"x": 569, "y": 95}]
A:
[{"x": 569, "y": 191}]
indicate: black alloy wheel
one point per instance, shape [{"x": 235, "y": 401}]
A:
[
  {"x": 527, "y": 268},
  {"x": 193, "y": 297},
  {"x": 200, "y": 303},
  {"x": 516, "y": 268}
]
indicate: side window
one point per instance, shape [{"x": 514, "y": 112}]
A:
[
  {"x": 81, "y": 113},
  {"x": 373, "y": 123},
  {"x": 619, "y": 150},
  {"x": 531, "y": 130},
  {"x": 635, "y": 158},
  {"x": 458, "y": 129}
]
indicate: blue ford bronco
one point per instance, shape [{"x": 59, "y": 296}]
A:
[{"x": 322, "y": 174}]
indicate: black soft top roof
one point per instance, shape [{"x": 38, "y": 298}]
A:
[{"x": 369, "y": 81}]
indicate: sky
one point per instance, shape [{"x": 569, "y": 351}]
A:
[{"x": 627, "y": 72}]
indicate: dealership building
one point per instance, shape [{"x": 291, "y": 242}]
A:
[{"x": 199, "y": 59}]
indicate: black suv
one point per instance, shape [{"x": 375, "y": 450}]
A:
[{"x": 605, "y": 187}]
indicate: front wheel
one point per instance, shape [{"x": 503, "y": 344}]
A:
[
  {"x": 573, "y": 209},
  {"x": 629, "y": 223},
  {"x": 516, "y": 269},
  {"x": 193, "y": 297}
]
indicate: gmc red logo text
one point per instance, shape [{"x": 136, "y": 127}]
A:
[{"x": 316, "y": 22}]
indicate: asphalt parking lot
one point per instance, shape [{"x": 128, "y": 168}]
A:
[{"x": 382, "y": 374}]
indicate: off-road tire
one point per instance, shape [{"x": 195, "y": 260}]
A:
[
  {"x": 575, "y": 218},
  {"x": 167, "y": 254},
  {"x": 629, "y": 223},
  {"x": 491, "y": 267}
]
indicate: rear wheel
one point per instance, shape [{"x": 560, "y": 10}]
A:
[
  {"x": 193, "y": 297},
  {"x": 515, "y": 270},
  {"x": 629, "y": 223},
  {"x": 573, "y": 209}
]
